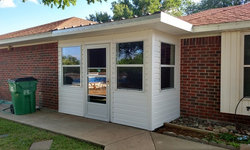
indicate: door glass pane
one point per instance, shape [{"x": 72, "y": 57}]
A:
[
  {"x": 167, "y": 54},
  {"x": 130, "y": 53},
  {"x": 97, "y": 99},
  {"x": 247, "y": 81},
  {"x": 97, "y": 58},
  {"x": 71, "y": 55},
  {"x": 71, "y": 76},
  {"x": 97, "y": 72},
  {"x": 97, "y": 85},
  {"x": 129, "y": 78},
  {"x": 247, "y": 50},
  {"x": 167, "y": 77}
]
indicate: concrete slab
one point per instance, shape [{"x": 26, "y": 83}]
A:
[
  {"x": 138, "y": 142},
  {"x": 43, "y": 145},
  {"x": 98, "y": 132},
  {"x": 164, "y": 142},
  {"x": 245, "y": 147}
]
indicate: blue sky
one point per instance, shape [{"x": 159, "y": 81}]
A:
[{"x": 16, "y": 15}]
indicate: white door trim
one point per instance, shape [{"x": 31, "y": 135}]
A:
[{"x": 108, "y": 94}]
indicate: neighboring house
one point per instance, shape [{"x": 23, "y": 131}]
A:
[{"x": 139, "y": 72}]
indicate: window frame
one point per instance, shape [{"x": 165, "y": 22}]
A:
[
  {"x": 130, "y": 65},
  {"x": 65, "y": 66},
  {"x": 168, "y": 66},
  {"x": 244, "y": 66}
]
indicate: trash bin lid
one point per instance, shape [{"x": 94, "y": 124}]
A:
[{"x": 22, "y": 79}]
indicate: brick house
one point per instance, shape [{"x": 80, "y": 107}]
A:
[{"x": 139, "y": 72}]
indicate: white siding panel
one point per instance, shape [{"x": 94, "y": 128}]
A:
[
  {"x": 165, "y": 103},
  {"x": 232, "y": 73}
]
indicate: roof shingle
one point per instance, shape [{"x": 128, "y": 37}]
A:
[
  {"x": 66, "y": 23},
  {"x": 220, "y": 15}
]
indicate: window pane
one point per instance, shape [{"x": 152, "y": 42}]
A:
[
  {"x": 247, "y": 50},
  {"x": 71, "y": 55},
  {"x": 129, "y": 78},
  {"x": 71, "y": 76},
  {"x": 167, "y": 54},
  {"x": 167, "y": 77},
  {"x": 247, "y": 82},
  {"x": 97, "y": 99},
  {"x": 97, "y": 58},
  {"x": 130, "y": 53},
  {"x": 97, "y": 72},
  {"x": 97, "y": 85}
]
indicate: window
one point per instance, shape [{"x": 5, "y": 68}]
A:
[
  {"x": 247, "y": 66},
  {"x": 130, "y": 65},
  {"x": 71, "y": 59},
  {"x": 167, "y": 65}
]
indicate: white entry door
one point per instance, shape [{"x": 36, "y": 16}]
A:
[{"x": 98, "y": 82}]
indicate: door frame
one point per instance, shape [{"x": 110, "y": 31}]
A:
[{"x": 108, "y": 79}]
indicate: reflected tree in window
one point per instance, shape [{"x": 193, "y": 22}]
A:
[{"x": 130, "y": 53}]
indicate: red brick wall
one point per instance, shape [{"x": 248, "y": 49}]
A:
[
  {"x": 39, "y": 61},
  {"x": 200, "y": 79}
]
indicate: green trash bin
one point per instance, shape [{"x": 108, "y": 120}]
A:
[{"x": 23, "y": 93}]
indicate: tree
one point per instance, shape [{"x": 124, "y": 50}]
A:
[
  {"x": 127, "y": 8},
  {"x": 99, "y": 17},
  {"x": 209, "y": 4},
  {"x": 70, "y": 60},
  {"x": 64, "y": 3}
]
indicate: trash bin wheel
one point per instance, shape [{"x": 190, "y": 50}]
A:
[{"x": 12, "y": 109}]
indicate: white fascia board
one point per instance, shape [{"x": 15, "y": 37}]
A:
[
  {"x": 176, "y": 22},
  {"x": 222, "y": 27},
  {"x": 25, "y": 38},
  {"x": 109, "y": 26}
]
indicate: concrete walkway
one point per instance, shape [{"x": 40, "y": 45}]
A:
[{"x": 111, "y": 136}]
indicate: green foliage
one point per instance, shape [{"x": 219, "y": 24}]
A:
[
  {"x": 70, "y": 60},
  {"x": 20, "y": 137},
  {"x": 226, "y": 138},
  {"x": 128, "y": 8},
  {"x": 138, "y": 59},
  {"x": 64, "y": 3},
  {"x": 209, "y": 4},
  {"x": 99, "y": 17}
]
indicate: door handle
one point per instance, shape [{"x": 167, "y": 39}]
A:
[{"x": 107, "y": 82}]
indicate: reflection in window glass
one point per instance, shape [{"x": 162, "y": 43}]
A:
[
  {"x": 97, "y": 85},
  {"x": 247, "y": 81},
  {"x": 167, "y": 54},
  {"x": 97, "y": 58},
  {"x": 71, "y": 76},
  {"x": 247, "y": 50},
  {"x": 129, "y": 78},
  {"x": 130, "y": 53},
  {"x": 167, "y": 77},
  {"x": 96, "y": 72},
  {"x": 71, "y": 55},
  {"x": 97, "y": 99}
]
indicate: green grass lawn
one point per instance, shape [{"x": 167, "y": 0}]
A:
[{"x": 20, "y": 137}]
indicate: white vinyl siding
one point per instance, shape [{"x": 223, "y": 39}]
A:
[
  {"x": 232, "y": 64},
  {"x": 165, "y": 103}
]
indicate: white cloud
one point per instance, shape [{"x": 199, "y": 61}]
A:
[
  {"x": 33, "y": 1},
  {"x": 7, "y": 3}
]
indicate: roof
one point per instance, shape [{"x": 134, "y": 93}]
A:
[
  {"x": 61, "y": 24},
  {"x": 220, "y": 15}
]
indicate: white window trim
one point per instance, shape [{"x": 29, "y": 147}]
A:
[
  {"x": 243, "y": 65},
  {"x": 168, "y": 66},
  {"x": 130, "y": 65},
  {"x": 62, "y": 66}
]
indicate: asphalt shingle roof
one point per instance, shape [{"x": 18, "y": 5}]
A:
[
  {"x": 61, "y": 24},
  {"x": 220, "y": 15}
]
